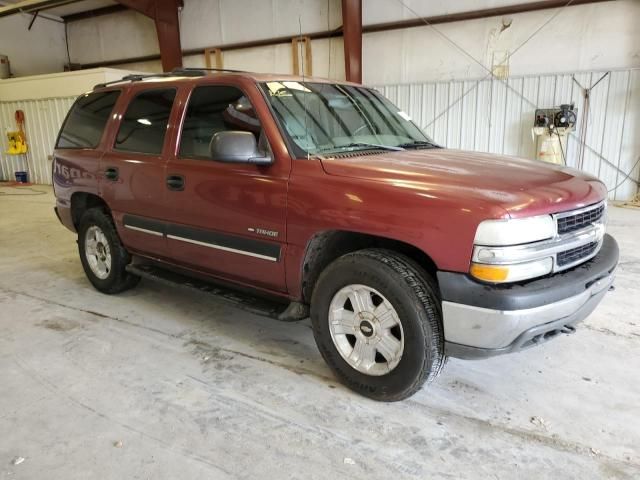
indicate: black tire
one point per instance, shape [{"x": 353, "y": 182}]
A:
[
  {"x": 412, "y": 293},
  {"x": 118, "y": 279}
]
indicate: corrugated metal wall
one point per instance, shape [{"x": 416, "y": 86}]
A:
[
  {"x": 42, "y": 122},
  {"x": 491, "y": 116}
]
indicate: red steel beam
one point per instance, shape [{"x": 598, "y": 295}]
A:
[
  {"x": 165, "y": 15},
  {"x": 352, "y": 31}
]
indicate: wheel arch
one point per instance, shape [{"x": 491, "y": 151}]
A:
[
  {"x": 324, "y": 247},
  {"x": 83, "y": 201}
]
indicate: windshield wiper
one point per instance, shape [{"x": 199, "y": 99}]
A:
[
  {"x": 419, "y": 144},
  {"x": 365, "y": 145}
]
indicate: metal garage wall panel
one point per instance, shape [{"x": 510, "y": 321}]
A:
[
  {"x": 483, "y": 114},
  {"x": 614, "y": 116},
  {"x": 529, "y": 96},
  {"x": 468, "y": 125},
  {"x": 596, "y": 123},
  {"x": 42, "y": 122},
  {"x": 496, "y": 117},
  {"x": 513, "y": 120},
  {"x": 629, "y": 151},
  {"x": 564, "y": 89},
  {"x": 546, "y": 91},
  {"x": 454, "y": 125},
  {"x": 429, "y": 107},
  {"x": 492, "y": 116},
  {"x": 441, "y": 102}
]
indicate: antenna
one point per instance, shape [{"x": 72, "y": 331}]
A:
[
  {"x": 330, "y": 38},
  {"x": 302, "y": 60}
]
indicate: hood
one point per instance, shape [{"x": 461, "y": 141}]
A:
[{"x": 521, "y": 187}]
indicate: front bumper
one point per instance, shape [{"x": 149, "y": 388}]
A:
[{"x": 482, "y": 320}]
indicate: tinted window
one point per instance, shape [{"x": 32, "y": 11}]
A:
[
  {"x": 215, "y": 109},
  {"x": 86, "y": 120},
  {"x": 145, "y": 123}
]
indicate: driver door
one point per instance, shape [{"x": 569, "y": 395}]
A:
[{"x": 226, "y": 219}]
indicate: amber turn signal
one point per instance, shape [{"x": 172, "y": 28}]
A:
[{"x": 489, "y": 273}]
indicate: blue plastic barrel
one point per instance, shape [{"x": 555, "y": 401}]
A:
[{"x": 22, "y": 177}]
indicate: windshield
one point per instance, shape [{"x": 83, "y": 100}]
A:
[{"x": 323, "y": 118}]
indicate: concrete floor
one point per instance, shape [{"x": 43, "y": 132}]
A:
[{"x": 157, "y": 383}]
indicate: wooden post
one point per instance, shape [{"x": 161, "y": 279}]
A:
[
  {"x": 295, "y": 56},
  {"x": 217, "y": 53}
]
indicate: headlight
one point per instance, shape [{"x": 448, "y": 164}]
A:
[
  {"x": 494, "y": 263},
  {"x": 515, "y": 231}
]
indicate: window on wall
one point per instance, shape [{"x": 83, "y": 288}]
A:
[
  {"x": 215, "y": 109},
  {"x": 86, "y": 120},
  {"x": 144, "y": 125}
]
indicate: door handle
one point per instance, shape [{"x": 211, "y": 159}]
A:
[
  {"x": 175, "y": 182},
  {"x": 111, "y": 173}
]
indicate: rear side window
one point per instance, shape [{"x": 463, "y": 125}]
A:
[
  {"x": 145, "y": 122},
  {"x": 215, "y": 109},
  {"x": 86, "y": 120}
]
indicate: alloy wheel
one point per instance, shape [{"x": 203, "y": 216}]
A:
[
  {"x": 97, "y": 252},
  {"x": 366, "y": 330}
]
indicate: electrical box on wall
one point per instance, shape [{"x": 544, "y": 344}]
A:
[{"x": 551, "y": 127}]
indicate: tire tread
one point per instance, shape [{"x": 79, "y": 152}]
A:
[{"x": 426, "y": 291}]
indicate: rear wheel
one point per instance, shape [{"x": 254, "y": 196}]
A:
[
  {"x": 103, "y": 256},
  {"x": 377, "y": 322}
]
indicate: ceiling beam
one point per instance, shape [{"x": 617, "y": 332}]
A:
[
  {"x": 96, "y": 12},
  {"x": 352, "y": 31},
  {"x": 32, "y": 6}
]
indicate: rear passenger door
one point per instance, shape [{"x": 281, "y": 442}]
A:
[
  {"x": 226, "y": 218},
  {"x": 133, "y": 170}
]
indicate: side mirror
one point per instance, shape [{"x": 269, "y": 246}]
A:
[{"x": 236, "y": 146}]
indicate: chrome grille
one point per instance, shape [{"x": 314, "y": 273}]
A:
[
  {"x": 572, "y": 222},
  {"x": 573, "y": 255},
  {"x": 586, "y": 223}
]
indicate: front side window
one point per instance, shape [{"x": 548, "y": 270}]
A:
[
  {"x": 86, "y": 120},
  {"x": 214, "y": 109},
  {"x": 144, "y": 124},
  {"x": 327, "y": 118}
]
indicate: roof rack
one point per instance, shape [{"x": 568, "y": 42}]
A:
[
  {"x": 184, "y": 71},
  {"x": 134, "y": 78},
  {"x": 192, "y": 70}
]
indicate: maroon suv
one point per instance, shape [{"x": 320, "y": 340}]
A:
[{"x": 323, "y": 198}]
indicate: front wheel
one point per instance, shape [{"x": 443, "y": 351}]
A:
[{"x": 377, "y": 322}]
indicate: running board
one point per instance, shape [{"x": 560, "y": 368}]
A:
[{"x": 245, "y": 301}]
